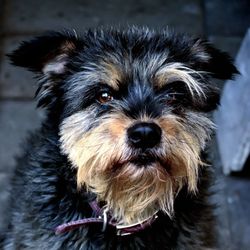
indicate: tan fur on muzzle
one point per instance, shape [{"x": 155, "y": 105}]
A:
[{"x": 131, "y": 192}]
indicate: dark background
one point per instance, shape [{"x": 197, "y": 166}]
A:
[{"x": 224, "y": 22}]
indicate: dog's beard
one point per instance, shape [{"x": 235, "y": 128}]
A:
[
  {"x": 106, "y": 166},
  {"x": 132, "y": 193}
]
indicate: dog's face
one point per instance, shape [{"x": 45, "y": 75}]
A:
[{"x": 132, "y": 111}]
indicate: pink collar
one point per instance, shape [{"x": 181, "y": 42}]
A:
[{"x": 104, "y": 218}]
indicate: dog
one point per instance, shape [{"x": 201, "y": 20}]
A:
[{"x": 118, "y": 162}]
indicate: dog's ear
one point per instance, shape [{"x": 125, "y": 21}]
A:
[
  {"x": 216, "y": 63},
  {"x": 47, "y": 54}
]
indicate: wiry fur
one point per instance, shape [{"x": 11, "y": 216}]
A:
[
  {"x": 82, "y": 151},
  {"x": 104, "y": 163}
]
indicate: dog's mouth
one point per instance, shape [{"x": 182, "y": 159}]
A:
[{"x": 144, "y": 159}]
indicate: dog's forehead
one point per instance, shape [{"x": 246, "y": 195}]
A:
[
  {"x": 154, "y": 69},
  {"x": 115, "y": 69},
  {"x": 128, "y": 69},
  {"x": 138, "y": 57}
]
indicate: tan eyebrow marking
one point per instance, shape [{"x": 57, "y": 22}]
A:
[
  {"x": 112, "y": 74},
  {"x": 104, "y": 72},
  {"x": 179, "y": 72}
]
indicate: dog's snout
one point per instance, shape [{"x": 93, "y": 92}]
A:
[{"x": 144, "y": 135}]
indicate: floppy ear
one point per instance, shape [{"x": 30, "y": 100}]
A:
[
  {"x": 204, "y": 57},
  {"x": 48, "y": 56},
  {"x": 216, "y": 63}
]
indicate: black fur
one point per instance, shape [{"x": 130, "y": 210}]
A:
[
  {"x": 93, "y": 46},
  {"x": 44, "y": 193}
]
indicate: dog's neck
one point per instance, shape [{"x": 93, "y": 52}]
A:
[{"x": 103, "y": 216}]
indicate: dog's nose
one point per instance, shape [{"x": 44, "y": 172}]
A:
[{"x": 144, "y": 135}]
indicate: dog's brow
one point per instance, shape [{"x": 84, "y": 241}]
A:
[
  {"x": 178, "y": 72},
  {"x": 113, "y": 74}
]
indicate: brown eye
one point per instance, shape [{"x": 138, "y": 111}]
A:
[
  {"x": 104, "y": 97},
  {"x": 171, "y": 98}
]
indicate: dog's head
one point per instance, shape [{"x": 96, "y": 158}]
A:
[{"x": 132, "y": 109}]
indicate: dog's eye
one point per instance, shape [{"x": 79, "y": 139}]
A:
[
  {"x": 171, "y": 98},
  {"x": 175, "y": 92},
  {"x": 104, "y": 97}
]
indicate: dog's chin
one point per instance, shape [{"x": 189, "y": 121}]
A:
[{"x": 135, "y": 189}]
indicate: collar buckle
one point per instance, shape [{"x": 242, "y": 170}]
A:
[
  {"x": 123, "y": 230},
  {"x": 105, "y": 219}
]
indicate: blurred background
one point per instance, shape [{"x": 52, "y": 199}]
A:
[{"x": 223, "y": 22}]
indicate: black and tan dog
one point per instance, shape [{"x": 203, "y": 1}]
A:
[{"x": 117, "y": 164}]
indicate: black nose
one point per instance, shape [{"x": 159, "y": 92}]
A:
[{"x": 144, "y": 135}]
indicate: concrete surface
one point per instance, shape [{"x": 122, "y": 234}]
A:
[{"x": 222, "y": 21}]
